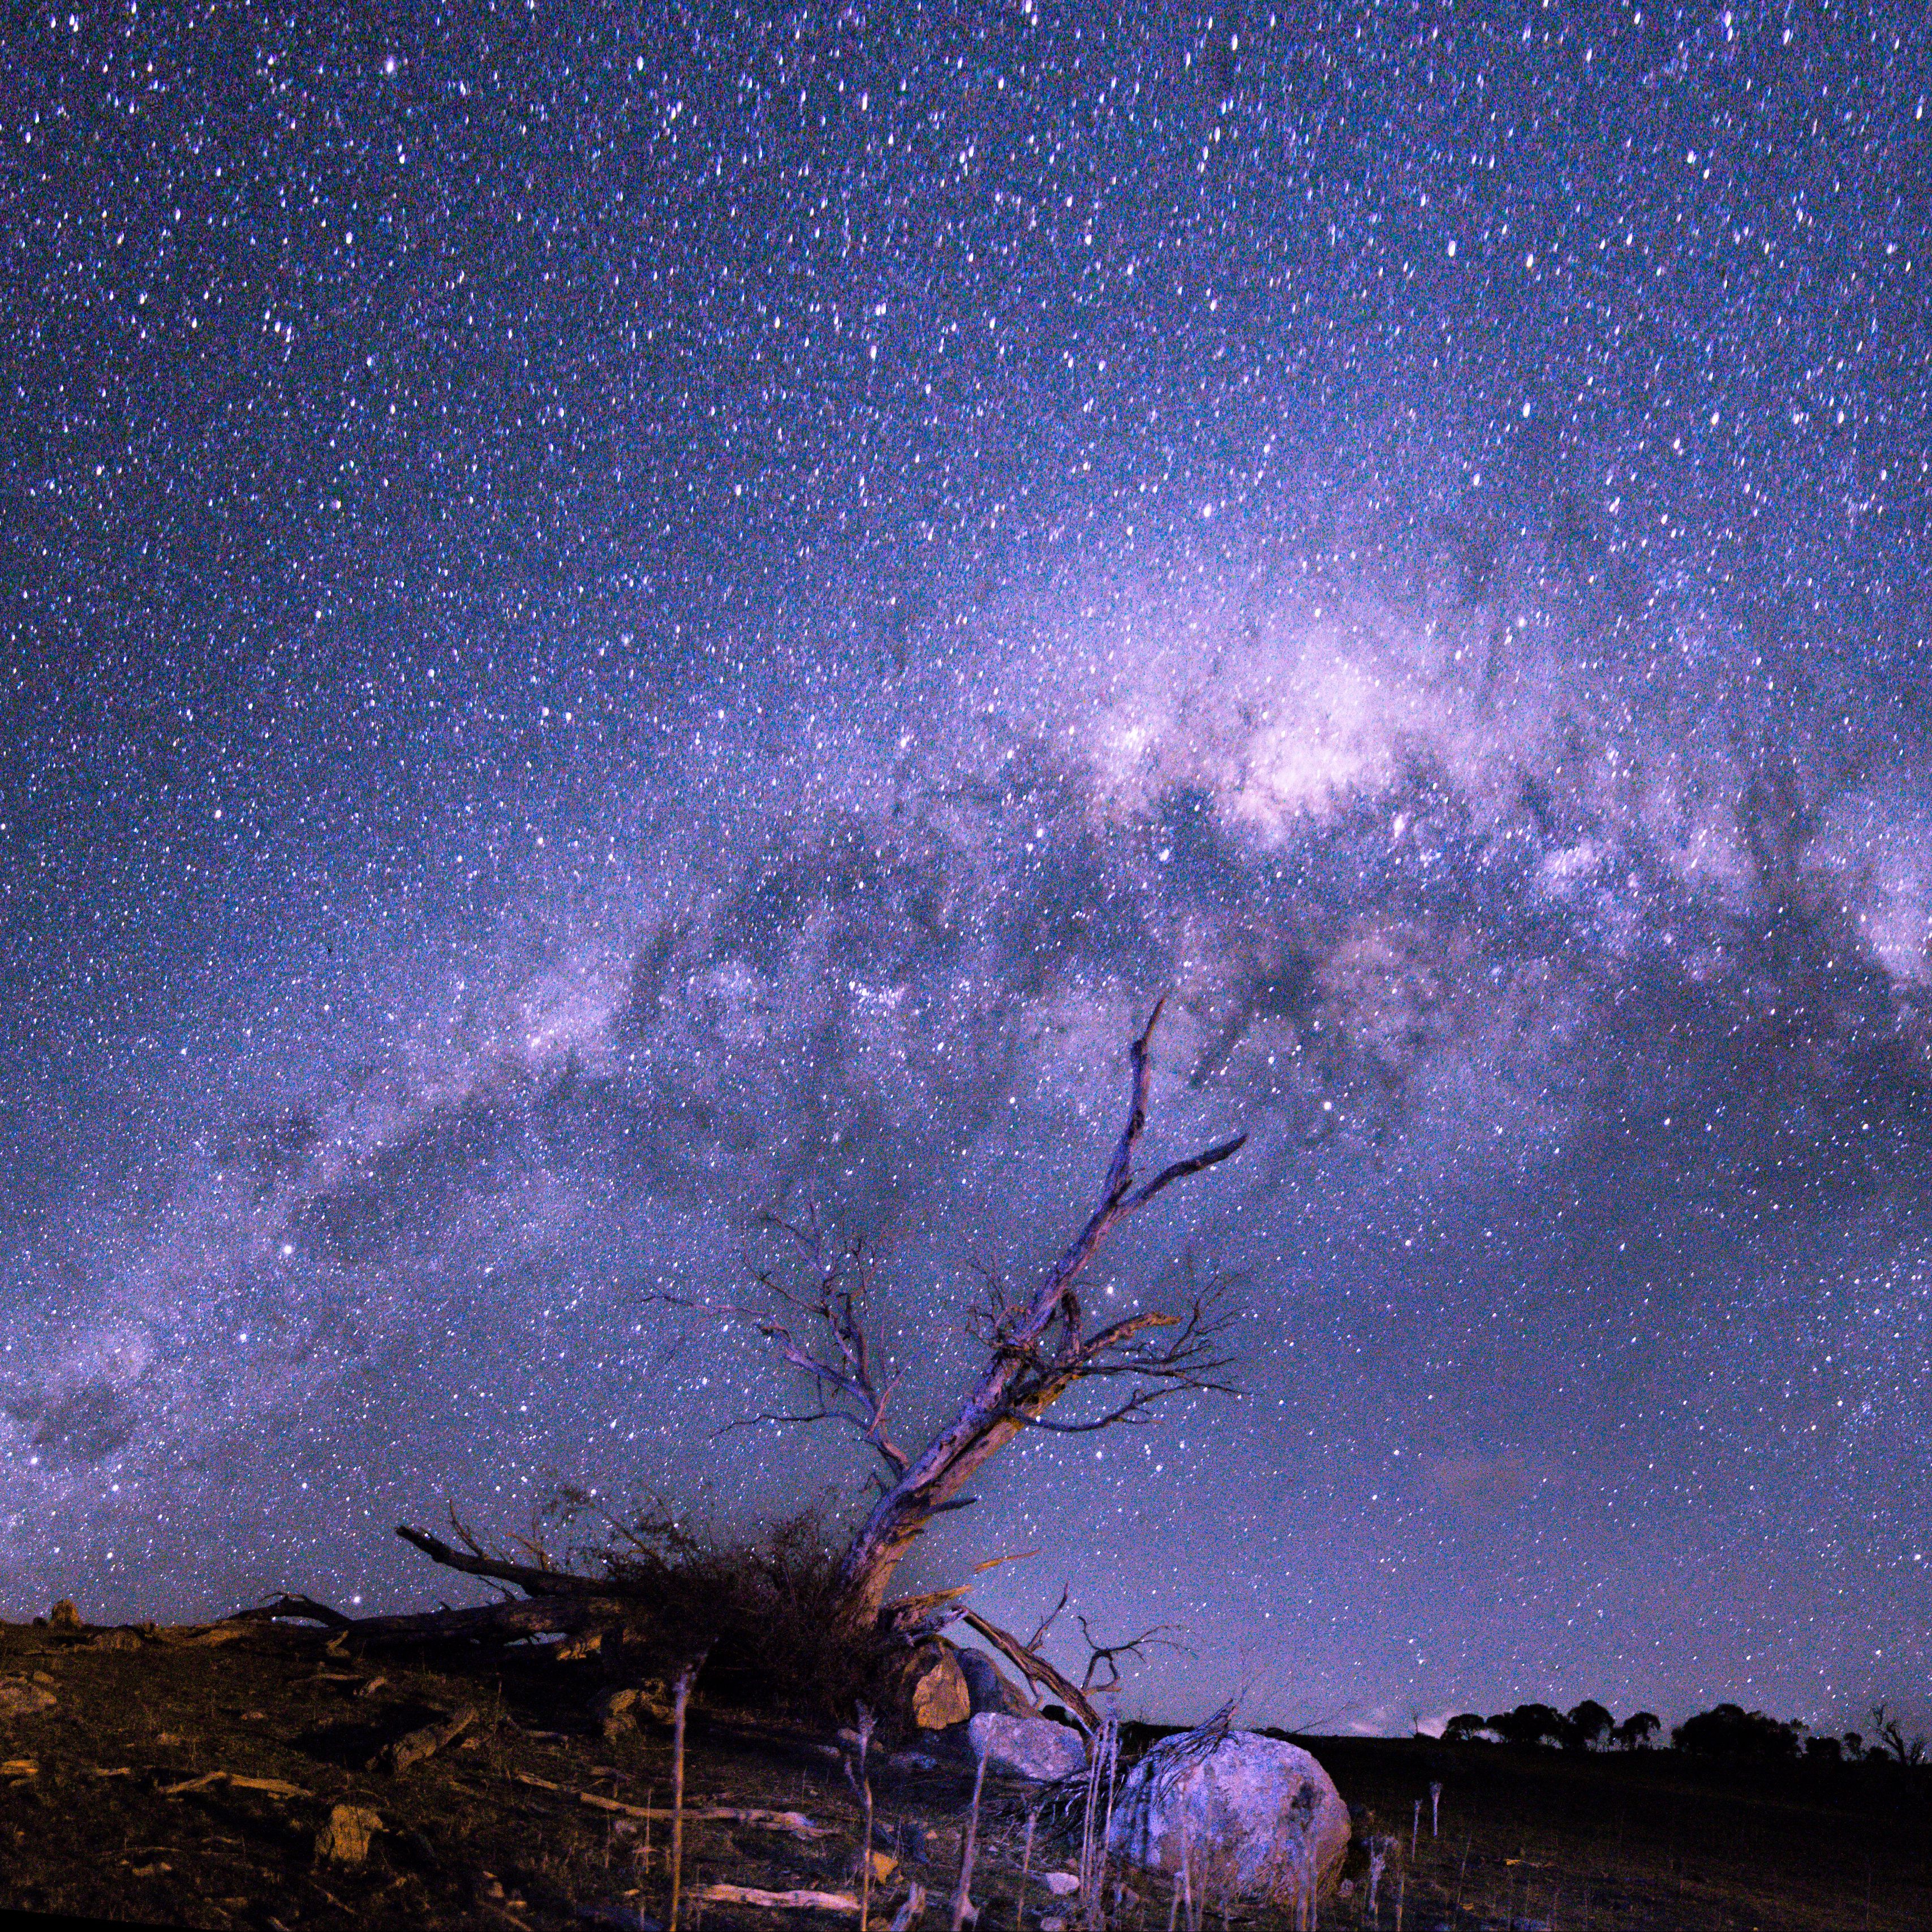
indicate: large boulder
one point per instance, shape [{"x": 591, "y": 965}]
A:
[
  {"x": 1248, "y": 1816},
  {"x": 1032, "y": 1747},
  {"x": 990, "y": 1689},
  {"x": 933, "y": 1688}
]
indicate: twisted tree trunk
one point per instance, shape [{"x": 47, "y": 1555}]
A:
[{"x": 1030, "y": 1367}]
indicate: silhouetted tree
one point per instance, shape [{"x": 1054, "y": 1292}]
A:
[
  {"x": 1530, "y": 1724},
  {"x": 1890, "y": 1741},
  {"x": 1730, "y": 1731},
  {"x": 1589, "y": 1723},
  {"x": 1465, "y": 1727},
  {"x": 1637, "y": 1730}
]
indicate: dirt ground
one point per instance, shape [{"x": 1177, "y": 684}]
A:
[{"x": 226, "y": 1777}]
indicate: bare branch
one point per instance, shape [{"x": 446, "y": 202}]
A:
[
  {"x": 1197, "y": 1163},
  {"x": 1108, "y": 1654},
  {"x": 1045, "y": 1624},
  {"x": 535, "y": 1582},
  {"x": 1036, "y": 1669},
  {"x": 841, "y": 1366}
]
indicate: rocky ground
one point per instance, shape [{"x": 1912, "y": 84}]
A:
[{"x": 248, "y": 1775}]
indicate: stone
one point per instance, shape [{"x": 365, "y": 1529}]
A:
[
  {"x": 936, "y": 1694},
  {"x": 20, "y": 1699},
  {"x": 115, "y": 1639},
  {"x": 622, "y": 1709},
  {"x": 990, "y": 1688},
  {"x": 613, "y": 1710},
  {"x": 64, "y": 1616},
  {"x": 413, "y": 1747},
  {"x": 1032, "y": 1747},
  {"x": 1252, "y": 1817},
  {"x": 1061, "y": 1884},
  {"x": 343, "y": 1838}
]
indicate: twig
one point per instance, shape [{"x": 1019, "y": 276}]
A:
[
  {"x": 961, "y": 1898},
  {"x": 1026, "y": 1870},
  {"x": 680, "y": 1699},
  {"x": 865, "y": 1786}
]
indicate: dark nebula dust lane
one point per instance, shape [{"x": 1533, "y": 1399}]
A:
[{"x": 608, "y": 622}]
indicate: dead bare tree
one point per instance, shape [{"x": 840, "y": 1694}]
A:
[{"x": 1037, "y": 1349}]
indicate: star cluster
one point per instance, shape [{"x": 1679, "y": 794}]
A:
[{"x": 615, "y": 617}]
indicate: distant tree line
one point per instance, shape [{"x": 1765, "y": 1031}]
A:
[{"x": 1729, "y": 1733}]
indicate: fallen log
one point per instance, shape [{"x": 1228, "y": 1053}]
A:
[
  {"x": 507, "y": 1622},
  {"x": 795, "y": 1822},
  {"x": 201, "y": 1636},
  {"x": 780, "y": 1901},
  {"x": 272, "y": 1787},
  {"x": 296, "y": 1609}
]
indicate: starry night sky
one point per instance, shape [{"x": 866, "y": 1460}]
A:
[{"x": 613, "y": 617}]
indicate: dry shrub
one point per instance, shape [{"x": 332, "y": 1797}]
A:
[{"x": 765, "y": 1607}]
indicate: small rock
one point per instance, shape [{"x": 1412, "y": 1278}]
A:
[
  {"x": 1061, "y": 1884},
  {"x": 345, "y": 1834},
  {"x": 1027, "y": 1747},
  {"x": 116, "y": 1639},
  {"x": 1053, "y": 1925},
  {"x": 618, "y": 1711},
  {"x": 20, "y": 1699}
]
